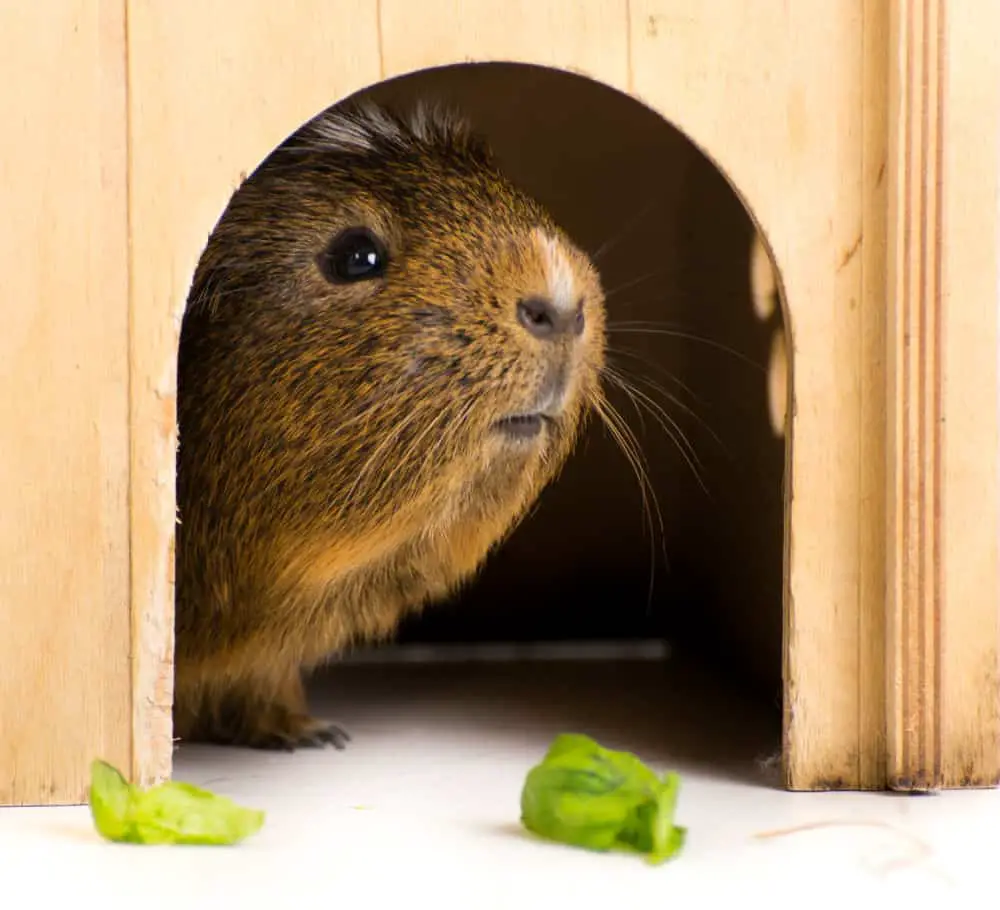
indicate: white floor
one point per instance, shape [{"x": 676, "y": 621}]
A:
[{"x": 422, "y": 808}]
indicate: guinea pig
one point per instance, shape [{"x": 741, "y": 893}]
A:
[{"x": 388, "y": 352}]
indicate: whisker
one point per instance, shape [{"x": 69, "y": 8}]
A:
[
  {"x": 370, "y": 413},
  {"x": 614, "y": 424},
  {"x": 629, "y": 446},
  {"x": 673, "y": 399},
  {"x": 659, "y": 368},
  {"x": 387, "y": 442},
  {"x": 612, "y": 292},
  {"x": 623, "y": 232},
  {"x": 673, "y": 431},
  {"x": 614, "y": 378},
  {"x": 638, "y": 328},
  {"x": 412, "y": 447},
  {"x": 454, "y": 428},
  {"x": 684, "y": 444}
]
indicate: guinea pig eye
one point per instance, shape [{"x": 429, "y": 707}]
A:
[{"x": 353, "y": 255}]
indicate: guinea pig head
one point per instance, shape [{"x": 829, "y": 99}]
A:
[{"x": 428, "y": 339}]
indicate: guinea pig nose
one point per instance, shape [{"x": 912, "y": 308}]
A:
[{"x": 543, "y": 319}]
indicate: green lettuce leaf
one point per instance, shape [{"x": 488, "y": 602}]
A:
[
  {"x": 172, "y": 813},
  {"x": 110, "y": 801},
  {"x": 584, "y": 795}
]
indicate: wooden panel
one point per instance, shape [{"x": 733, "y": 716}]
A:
[
  {"x": 775, "y": 93},
  {"x": 945, "y": 230},
  {"x": 195, "y": 131},
  {"x": 803, "y": 149},
  {"x": 64, "y": 652},
  {"x": 970, "y": 445},
  {"x": 214, "y": 85},
  {"x": 589, "y": 38},
  {"x": 871, "y": 354}
]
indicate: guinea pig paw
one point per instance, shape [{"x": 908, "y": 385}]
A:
[
  {"x": 302, "y": 733},
  {"x": 319, "y": 734}
]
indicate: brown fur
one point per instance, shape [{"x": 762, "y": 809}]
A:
[{"x": 339, "y": 463}]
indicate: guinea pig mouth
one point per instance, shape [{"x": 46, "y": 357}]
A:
[{"x": 522, "y": 426}]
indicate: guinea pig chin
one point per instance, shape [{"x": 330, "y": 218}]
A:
[{"x": 549, "y": 404}]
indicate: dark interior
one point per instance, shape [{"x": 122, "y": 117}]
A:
[{"x": 675, "y": 254}]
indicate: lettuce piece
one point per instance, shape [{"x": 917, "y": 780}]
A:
[
  {"x": 172, "y": 813},
  {"x": 584, "y": 795},
  {"x": 110, "y": 801}
]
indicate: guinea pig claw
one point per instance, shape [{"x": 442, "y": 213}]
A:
[
  {"x": 324, "y": 734},
  {"x": 311, "y": 734}
]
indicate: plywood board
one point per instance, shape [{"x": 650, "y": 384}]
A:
[
  {"x": 743, "y": 85},
  {"x": 197, "y": 127},
  {"x": 944, "y": 679},
  {"x": 776, "y": 97},
  {"x": 65, "y": 680}
]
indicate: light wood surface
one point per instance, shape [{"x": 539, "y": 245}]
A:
[
  {"x": 798, "y": 148},
  {"x": 859, "y": 144},
  {"x": 65, "y": 685},
  {"x": 943, "y": 685},
  {"x": 794, "y": 152},
  {"x": 196, "y": 129}
]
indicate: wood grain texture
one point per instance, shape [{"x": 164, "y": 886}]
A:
[
  {"x": 195, "y": 131},
  {"x": 590, "y": 38},
  {"x": 790, "y": 100},
  {"x": 742, "y": 82},
  {"x": 970, "y": 410},
  {"x": 249, "y": 77},
  {"x": 802, "y": 150},
  {"x": 871, "y": 354},
  {"x": 65, "y": 686},
  {"x": 943, "y": 686}
]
